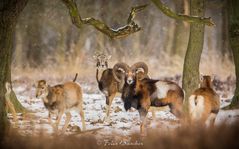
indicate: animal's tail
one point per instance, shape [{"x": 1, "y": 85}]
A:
[
  {"x": 74, "y": 80},
  {"x": 196, "y": 106}
]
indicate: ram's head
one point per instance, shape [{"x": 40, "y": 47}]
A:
[{"x": 122, "y": 71}]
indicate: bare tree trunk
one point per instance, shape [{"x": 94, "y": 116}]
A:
[
  {"x": 9, "y": 11},
  {"x": 181, "y": 31},
  {"x": 225, "y": 37},
  {"x": 170, "y": 33},
  {"x": 233, "y": 24},
  {"x": 194, "y": 50},
  {"x": 33, "y": 36}
]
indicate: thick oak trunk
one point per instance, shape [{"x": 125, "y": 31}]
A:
[
  {"x": 233, "y": 24},
  {"x": 6, "y": 32},
  {"x": 194, "y": 50},
  {"x": 9, "y": 11}
]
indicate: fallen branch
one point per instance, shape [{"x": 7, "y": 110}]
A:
[
  {"x": 130, "y": 28},
  {"x": 190, "y": 19}
]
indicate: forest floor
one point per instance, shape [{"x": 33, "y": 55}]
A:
[{"x": 121, "y": 124}]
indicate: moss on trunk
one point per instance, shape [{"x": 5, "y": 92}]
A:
[
  {"x": 193, "y": 53},
  {"x": 233, "y": 24},
  {"x": 9, "y": 11}
]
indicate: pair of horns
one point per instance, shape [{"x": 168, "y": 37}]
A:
[{"x": 123, "y": 67}]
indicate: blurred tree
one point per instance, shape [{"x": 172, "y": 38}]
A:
[
  {"x": 226, "y": 51},
  {"x": 9, "y": 12},
  {"x": 233, "y": 28},
  {"x": 181, "y": 30},
  {"x": 34, "y": 30}
]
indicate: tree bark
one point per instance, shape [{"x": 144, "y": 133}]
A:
[
  {"x": 9, "y": 11},
  {"x": 233, "y": 24},
  {"x": 193, "y": 53}
]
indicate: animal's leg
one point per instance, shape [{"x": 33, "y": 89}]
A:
[
  {"x": 82, "y": 114},
  {"x": 142, "y": 113},
  {"x": 109, "y": 100},
  {"x": 152, "y": 110},
  {"x": 211, "y": 119},
  {"x": 68, "y": 119},
  {"x": 49, "y": 119},
  {"x": 59, "y": 116}
]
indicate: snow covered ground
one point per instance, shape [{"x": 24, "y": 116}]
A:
[{"x": 121, "y": 123}]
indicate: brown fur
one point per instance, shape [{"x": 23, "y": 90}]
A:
[
  {"x": 60, "y": 99},
  {"x": 107, "y": 83},
  {"x": 108, "y": 86},
  {"x": 211, "y": 103},
  {"x": 146, "y": 89},
  {"x": 174, "y": 99}
]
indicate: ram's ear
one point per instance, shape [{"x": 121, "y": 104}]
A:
[
  {"x": 139, "y": 70},
  {"x": 121, "y": 70}
]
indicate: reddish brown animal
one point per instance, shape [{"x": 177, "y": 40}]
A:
[
  {"x": 204, "y": 103},
  {"x": 141, "y": 92},
  {"x": 158, "y": 93}
]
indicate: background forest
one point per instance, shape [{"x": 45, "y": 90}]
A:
[
  {"x": 54, "y": 39},
  {"x": 45, "y": 38}
]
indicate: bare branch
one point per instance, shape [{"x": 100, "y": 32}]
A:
[
  {"x": 130, "y": 28},
  {"x": 191, "y": 19}
]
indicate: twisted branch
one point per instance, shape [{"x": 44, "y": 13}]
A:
[
  {"x": 130, "y": 28},
  {"x": 190, "y": 19}
]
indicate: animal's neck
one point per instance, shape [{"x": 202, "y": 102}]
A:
[
  {"x": 206, "y": 84},
  {"x": 49, "y": 92}
]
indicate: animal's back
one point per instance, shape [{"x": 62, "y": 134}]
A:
[
  {"x": 72, "y": 94},
  {"x": 106, "y": 81},
  {"x": 170, "y": 89},
  {"x": 203, "y": 102},
  {"x": 211, "y": 98}
]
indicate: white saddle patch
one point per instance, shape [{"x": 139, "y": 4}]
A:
[
  {"x": 163, "y": 88},
  {"x": 196, "y": 106}
]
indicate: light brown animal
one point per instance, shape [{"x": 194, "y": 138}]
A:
[
  {"x": 60, "y": 99},
  {"x": 204, "y": 103}
]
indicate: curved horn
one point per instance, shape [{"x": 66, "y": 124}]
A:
[
  {"x": 138, "y": 65},
  {"x": 123, "y": 67}
]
